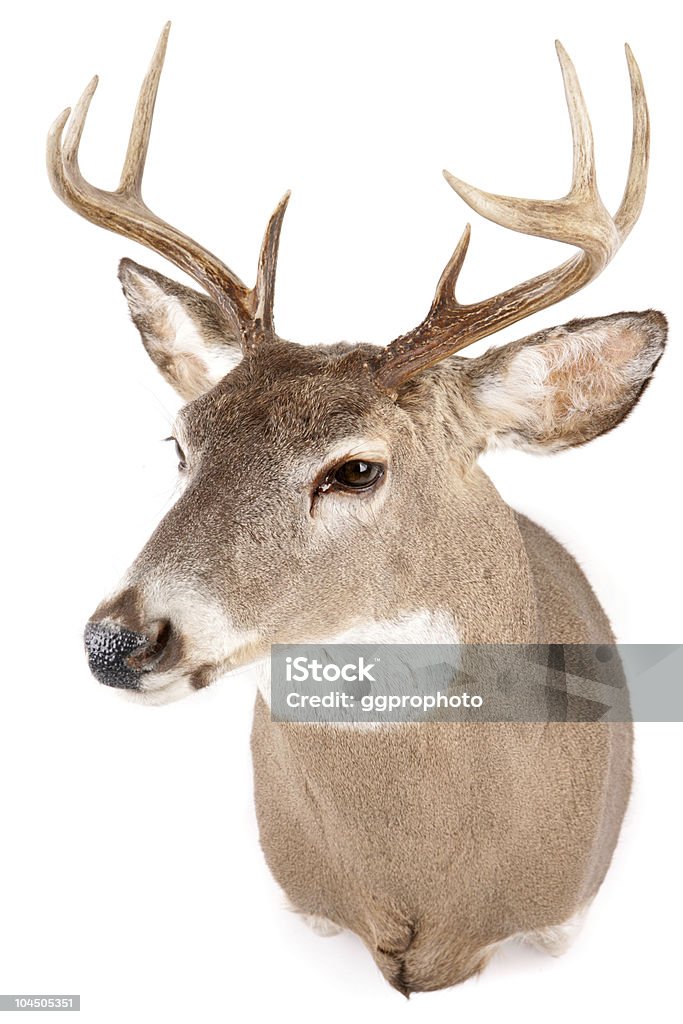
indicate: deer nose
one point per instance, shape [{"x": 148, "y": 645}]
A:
[{"x": 119, "y": 657}]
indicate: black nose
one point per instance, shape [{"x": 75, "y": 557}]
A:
[{"x": 119, "y": 657}]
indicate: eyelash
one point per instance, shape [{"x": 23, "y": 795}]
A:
[{"x": 182, "y": 460}]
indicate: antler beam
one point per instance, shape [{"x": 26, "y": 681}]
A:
[
  {"x": 579, "y": 219},
  {"x": 249, "y": 311}
]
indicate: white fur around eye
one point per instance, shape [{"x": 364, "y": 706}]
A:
[{"x": 338, "y": 509}]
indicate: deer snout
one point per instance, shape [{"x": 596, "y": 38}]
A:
[{"x": 119, "y": 657}]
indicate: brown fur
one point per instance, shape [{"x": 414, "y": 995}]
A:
[{"x": 433, "y": 842}]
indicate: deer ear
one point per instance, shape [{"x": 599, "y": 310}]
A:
[
  {"x": 564, "y": 386},
  {"x": 184, "y": 332}
]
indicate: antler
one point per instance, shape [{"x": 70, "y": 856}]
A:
[
  {"x": 579, "y": 219},
  {"x": 249, "y": 310}
]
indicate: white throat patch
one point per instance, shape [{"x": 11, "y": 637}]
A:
[{"x": 419, "y": 627}]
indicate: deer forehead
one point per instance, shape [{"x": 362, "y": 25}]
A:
[{"x": 306, "y": 404}]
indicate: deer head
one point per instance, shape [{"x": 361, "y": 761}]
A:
[{"x": 334, "y": 490}]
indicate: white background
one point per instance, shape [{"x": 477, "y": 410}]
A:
[{"x": 130, "y": 869}]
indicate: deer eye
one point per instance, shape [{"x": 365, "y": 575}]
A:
[{"x": 356, "y": 475}]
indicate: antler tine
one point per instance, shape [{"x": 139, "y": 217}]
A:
[
  {"x": 547, "y": 218},
  {"x": 124, "y": 212},
  {"x": 636, "y": 183},
  {"x": 445, "y": 289},
  {"x": 583, "y": 172},
  {"x": 77, "y": 124},
  {"x": 267, "y": 266},
  {"x": 136, "y": 154},
  {"x": 579, "y": 219}
]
